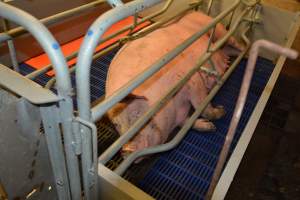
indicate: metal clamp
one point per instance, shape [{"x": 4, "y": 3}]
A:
[{"x": 93, "y": 171}]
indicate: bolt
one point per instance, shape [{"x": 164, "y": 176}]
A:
[{"x": 60, "y": 183}]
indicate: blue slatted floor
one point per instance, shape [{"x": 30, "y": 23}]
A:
[{"x": 185, "y": 172}]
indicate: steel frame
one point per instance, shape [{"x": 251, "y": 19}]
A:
[{"x": 79, "y": 132}]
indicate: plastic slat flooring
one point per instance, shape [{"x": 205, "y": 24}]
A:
[{"x": 185, "y": 172}]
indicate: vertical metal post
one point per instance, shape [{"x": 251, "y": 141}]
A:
[
  {"x": 209, "y": 6},
  {"x": 83, "y": 67},
  {"x": 241, "y": 102},
  {"x": 52, "y": 48},
  {"x": 55, "y": 149},
  {"x": 11, "y": 47}
]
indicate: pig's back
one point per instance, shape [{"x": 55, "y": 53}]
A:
[{"x": 136, "y": 56}]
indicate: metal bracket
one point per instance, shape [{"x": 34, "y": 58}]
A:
[
  {"x": 93, "y": 172},
  {"x": 23, "y": 87}
]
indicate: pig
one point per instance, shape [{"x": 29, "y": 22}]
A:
[{"x": 136, "y": 56}]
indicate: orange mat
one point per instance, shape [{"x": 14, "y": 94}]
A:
[{"x": 73, "y": 46}]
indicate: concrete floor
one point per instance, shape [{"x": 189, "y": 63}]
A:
[{"x": 271, "y": 166}]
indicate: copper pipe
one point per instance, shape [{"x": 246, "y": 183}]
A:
[{"x": 242, "y": 100}]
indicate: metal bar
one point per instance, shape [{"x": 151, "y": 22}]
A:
[
  {"x": 55, "y": 149},
  {"x": 237, "y": 155},
  {"x": 55, "y": 18},
  {"x": 137, "y": 35},
  {"x": 52, "y": 48},
  {"x": 188, "y": 124},
  {"x": 72, "y": 68},
  {"x": 126, "y": 28},
  {"x": 211, "y": 38},
  {"x": 4, "y": 37},
  {"x": 13, "y": 55},
  {"x": 209, "y": 6},
  {"x": 115, "y": 3},
  {"x": 25, "y": 88},
  {"x": 48, "y": 67},
  {"x": 94, "y": 169},
  {"x": 11, "y": 47},
  {"x": 241, "y": 102},
  {"x": 99, "y": 110},
  {"x": 83, "y": 68},
  {"x": 124, "y": 138}
]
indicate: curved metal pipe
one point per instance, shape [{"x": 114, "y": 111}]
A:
[
  {"x": 242, "y": 100},
  {"x": 52, "y": 48}
]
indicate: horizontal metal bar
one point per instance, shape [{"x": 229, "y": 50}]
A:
[
  {"x": 55, "y": 18},
  {"x": 124, "y": 29},
  {"x": 121, "y": 41},
  {"x": 188, "y": 124},
  {"x": 23, "y": 87},
  {"x": 124, "y": 138},
  {"x": 100, "y": 109}
]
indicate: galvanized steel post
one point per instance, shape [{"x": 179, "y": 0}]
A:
[{"x": 52, "y": 49}]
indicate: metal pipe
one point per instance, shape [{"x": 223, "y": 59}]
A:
[
  {"x": 72, "y": 68},
  {"x": 124, "y": 29},
  {"x": 183, "y": 131},
  {"x": 52, "y": 49},
  {"x": 209, "y": 6},
  {"x": 55, "y": 18},
  {"x": 55, "y": 149},
  {"x": 4, "y": 37},
  {"x": 242, "y": 100},
  {"x": 115, "y": 3},
  {"x": 11, "y": 48},
  {"x": 94, "y": 137},
  {"x": 131, "y": 132},
  {"x": 47, "y": 68},
  {"x": 100, "y": 109},
  {"x": 83, "y": 68}
]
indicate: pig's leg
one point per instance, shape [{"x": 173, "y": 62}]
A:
[
  {"x": 197, "y": 94},
  {"x": 213, "y": 113}
]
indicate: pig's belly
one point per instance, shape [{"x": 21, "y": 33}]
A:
[{"x": 174, "y": 113}]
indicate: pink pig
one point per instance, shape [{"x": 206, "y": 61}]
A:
[{"x": 136, "y": 56}]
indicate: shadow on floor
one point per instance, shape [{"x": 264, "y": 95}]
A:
[{"x": 271, "y": 166}]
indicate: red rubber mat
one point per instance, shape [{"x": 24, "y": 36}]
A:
[{"x": 73, "y": 46}]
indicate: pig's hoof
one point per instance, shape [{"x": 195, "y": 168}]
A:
[
  {"x": 219, "y": 112},
  {"x": 214, "y": 113},
  {"x": 204, "y": 125}
]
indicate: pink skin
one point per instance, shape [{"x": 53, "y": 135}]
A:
[{"x": 138, "y": 55}]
